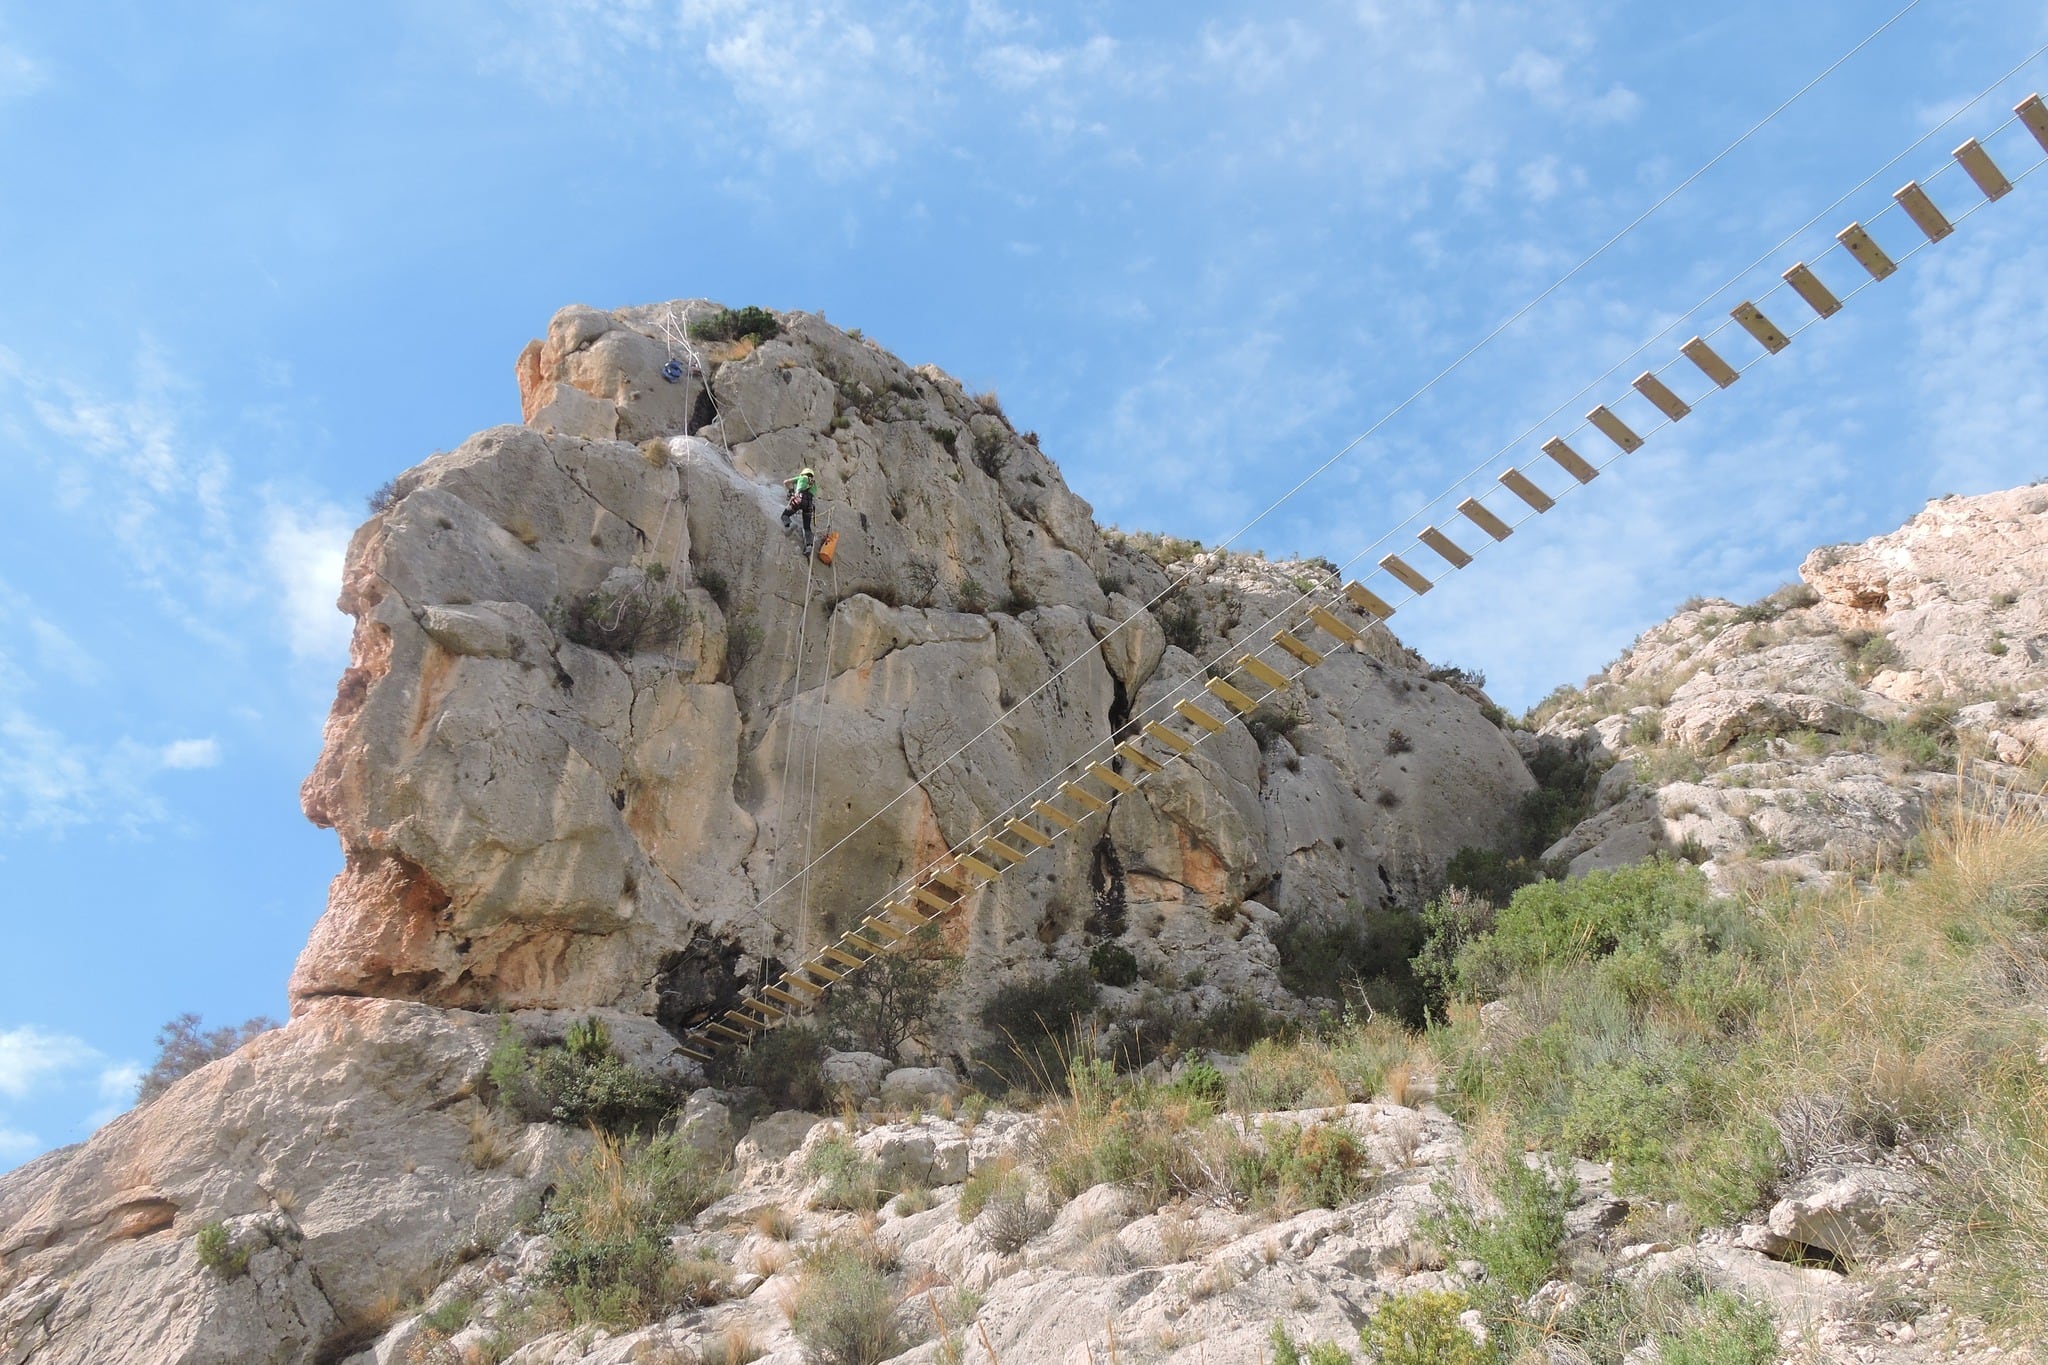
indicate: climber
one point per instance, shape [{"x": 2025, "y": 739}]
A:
[{"x": 802, "y": 499}]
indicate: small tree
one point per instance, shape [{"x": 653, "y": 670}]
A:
[
  {"x": 896, "y": 1000},
  {"x": 182, "y": 1047}
]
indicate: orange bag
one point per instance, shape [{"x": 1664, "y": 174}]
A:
[{"x": 828, "y": 547}]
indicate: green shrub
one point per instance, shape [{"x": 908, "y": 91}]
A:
[
  {"x": 1518, "y": 1246},
  {"x": 1724, "y": 1331},
  {"x": 1357, "y": 954},
  {"x": 1553, "y": 922},
  {"x": 621, "y": 620},
  {"x": 1017, "y": 603},
  {"x": 218, "y": 1252},
  {"x": 1028, "y": 1020},
  {"x": 1113, "y": 964},
  {"x": 1489, "y": 875},
  {"x": 729, "y": 324},
  {"x": 1268, "y": 723},
  {"x": 970, "y": 595},
  {"x": 783, "y": 1064},
  {"x": 1286, "y": 1351},
  {"x": 847, "y": 1179},
  {"x": 589, "y": 1039},
  {"x": 991, "y": 452},
  {"x": 613, "y": 1210},
  {"x": 450, "y": 1318},
  {"x": 1423, "y": 1329},
  {"x": 1012, "y": 1214},
  {"x": 717, "y": 585},
  {"x": 1317, "y": 1166},
  {"x": 1181, "y": 622},
  {"x": 844, "y": 1311},
  {"x": 1200, "y": 1080}
]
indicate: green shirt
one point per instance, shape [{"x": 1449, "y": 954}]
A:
[{"x": 805, "y": 483}]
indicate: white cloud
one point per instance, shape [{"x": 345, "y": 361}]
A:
[
  {"x": 304, "y": 549},
  {"x": 20, "y": 74},
  {"x": 15, "y": 1144},
  {"x": 117, "y": 1085},
  {"x": 30, "y": 1055},
  {"x": 192, "y": 753}
]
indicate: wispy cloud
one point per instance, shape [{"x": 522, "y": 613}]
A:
[
  {"x": 16, "y": 1144},
  {"x": 192, "y": 753},
  {"x": 20, "y": 74},
  {"x": 31, "y": 1056},
  {"x": 135, "y": 464},
  {"x": 304, "y": 548}
]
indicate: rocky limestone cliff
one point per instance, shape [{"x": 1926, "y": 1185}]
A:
[
  {"x": 536, "y": 825},
  {"x": 530, "y": 822},
  {"x": 1805, "y": 735}
]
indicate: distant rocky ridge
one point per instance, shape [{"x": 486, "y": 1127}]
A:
[
  {"x": 552, "y": 830},
  {"x": 1806, "y": 735}
]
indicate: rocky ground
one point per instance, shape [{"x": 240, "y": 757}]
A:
[{"x": 1111, "y": 1275}]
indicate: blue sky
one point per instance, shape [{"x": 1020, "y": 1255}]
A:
[{"x": 258, "y": 258}]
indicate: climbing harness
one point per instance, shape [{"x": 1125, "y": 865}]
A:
[{"x": 673, "y": 371}]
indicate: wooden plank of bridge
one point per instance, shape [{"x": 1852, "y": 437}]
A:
[
  {"x": 1660, "y": 395},
  {"x": 882, "y": 929},
  {"x": 1868, "y": 253},
  {"x": 951, "y": 879},
  {"x": 1230, "y": 696},
  {"x": 1160, "y": 734},
  {"x": 1299, "y": 649},
  {"x": 1614, "y": 429},
  {"x": 1808, "y": 286},
  {"x": 731, "y": 1034},
  {"x": 1137, "y": 757},
  {"x": 1932, "y": 222},
  {"x": 1214, "y": 724},
  {"x": 1012, "y": 856},
  {"x": 871, "y": 949},
  {"x": 1056, "y": 815},
  {"x": 1569, "y": 460},
  {"x": 838, "y": 954},
  {"x": 781, "y": 996},
  {"x": 1978, "y": 165},
  {"x": 1029, "y": 835},
  {"x": 1264, "y": 672},
  {"x": 1452, "y": 552},
  {"x": 1111, "y": 779},
  {"x": 1753, "y": 321},
  {"x": 817, "y": 968},
  {"x": 1087, "y": 800},
  {"x": 1400, "y": 569},
  {"x": 1709, "y": 362},
  {"x": 1475, "y": 512},
  {"x": 1523, "y": 487},
  {"x": 2034, "y": 114},
  {"x": 931, "y": 898},
  {"x": 693, "y": 1054},
  {"x": 1335, "y": 625},
  {"x": 1368, "y": 601},
  {"x": 978, "y": 867}
]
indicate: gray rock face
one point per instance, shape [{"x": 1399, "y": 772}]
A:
[
  {"x": 538, "y": 812},
  {"x": 859, "y": 1074}
]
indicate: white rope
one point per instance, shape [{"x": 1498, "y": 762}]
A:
[{"x": 817, "y": 744}]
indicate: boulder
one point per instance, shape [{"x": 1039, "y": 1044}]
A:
[
  {"x": 1844, "y": 1211},
  {"x": 918, "y": 1087},
  {"x": 774, "y": 1138},
  {"x": 858, "y": 1074},
  {"x": 915, "y": 1154}
]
